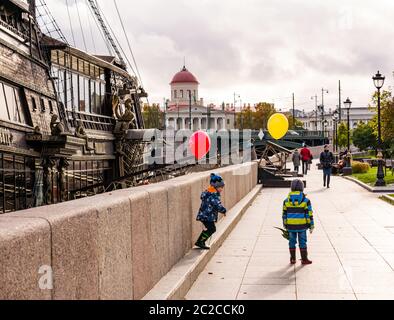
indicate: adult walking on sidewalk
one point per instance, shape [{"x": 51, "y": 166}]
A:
[
  {"x": 306, "y": 157},
  {"x": 296, "y": 158},
  {"x": 326, "y": 161}
]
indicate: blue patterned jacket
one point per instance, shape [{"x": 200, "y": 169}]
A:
[{"x": 210, "y": 206}]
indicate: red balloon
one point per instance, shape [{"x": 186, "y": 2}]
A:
[{"x": 199, "y": 144}]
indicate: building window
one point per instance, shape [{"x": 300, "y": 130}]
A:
[
  {"x": 175, "y": 95},
  {"x": 50, "y": 106},
  {"x": 181, "y": 93}
]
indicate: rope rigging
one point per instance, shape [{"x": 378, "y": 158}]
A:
[
  {"x": 48, "y": 23},
  {"x": 80, "y": 24},
  {"x": 93, "y": 4},
  {"x": 69, "y": 20},
  {"x": 128, "y": 41},
  {"x": 117, "y": 41}
]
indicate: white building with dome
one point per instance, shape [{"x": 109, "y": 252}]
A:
[{"x": 184, "y": 93}]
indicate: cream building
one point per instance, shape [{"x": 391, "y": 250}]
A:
[{"x": 185, "y": 100}]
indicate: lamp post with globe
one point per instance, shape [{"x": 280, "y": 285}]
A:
[{"x": 378, "y": 81}]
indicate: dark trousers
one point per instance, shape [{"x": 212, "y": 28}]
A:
[
  {"x": 305, "y": 167},
  {"x": 296, "y": 168},
  {"x": 326, "y": 176},
  {"x": 210, "y": 230}
]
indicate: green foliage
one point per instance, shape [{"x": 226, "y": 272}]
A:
[
  {"x": 255, "y": 120},
  {"x": 364, "y": 137},
  {"x": 360, "y": 167},
  {"x": 298, "y": 125},
  {"x": 370, "y": 176},
  {"x": 387, "y": 117},
  {"x": 153, "y": 117},
  {"x": 342, "y": 135}
]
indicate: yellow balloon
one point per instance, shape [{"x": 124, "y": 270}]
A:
[{"x": 278, "y": 125}]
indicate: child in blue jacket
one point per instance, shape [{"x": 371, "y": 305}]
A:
[
  {"x": 297, "y": 219},
  {"x": 209, "y": 209}
]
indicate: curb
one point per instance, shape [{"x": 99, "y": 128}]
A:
[
  {"x": 369, "y": 188},
  {"x": 178, "y": 281},
  {"x": 388, "y": 199}
]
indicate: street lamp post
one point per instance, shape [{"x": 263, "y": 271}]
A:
[
  {"x": 378, "y": 80},
  {"x": 335, "y": 119},
  {"x": 348, "y": 105},
  {"x": 348, "y": 169}
]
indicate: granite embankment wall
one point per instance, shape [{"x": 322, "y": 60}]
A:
[{"x": 116, "y": 245}]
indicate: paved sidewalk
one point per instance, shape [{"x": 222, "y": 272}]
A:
[{"x": 352, "y": 249}]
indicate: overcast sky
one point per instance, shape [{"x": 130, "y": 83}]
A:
[{"x": 264, "y": 50}]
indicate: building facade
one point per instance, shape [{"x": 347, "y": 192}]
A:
[
  {"x": 186, "y": 109},
  {"x": 316, "y": 121}
]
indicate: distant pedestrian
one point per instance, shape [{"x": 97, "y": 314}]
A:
[
  {"x": 297, "y": 219},
  {"x": 326, "y": 161},
  {"x": 209, "y": 209},
  {"x": 296, "y": 158},
  {"x": 306, "y": 157}
]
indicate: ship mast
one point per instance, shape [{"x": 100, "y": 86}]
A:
[{"x": 107, "y": 34}]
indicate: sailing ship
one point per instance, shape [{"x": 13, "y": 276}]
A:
[{"x": 65, "y": 114}]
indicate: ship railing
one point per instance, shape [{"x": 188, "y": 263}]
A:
[
  {"x": 11, "y": 28},
  {"x": 92, "y": 121}
]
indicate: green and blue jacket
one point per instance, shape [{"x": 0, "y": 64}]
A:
[{"x": 297, "y": 212}]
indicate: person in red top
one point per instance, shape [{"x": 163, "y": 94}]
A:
[{"x": 306, "y": 157}]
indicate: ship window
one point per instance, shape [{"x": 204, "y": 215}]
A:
[
  {"x": 74, "y": 63},
  {"x": 60, "y": 86},
  {"x": 93, "y": 96},
  {"x": 80, "y": 65},
  {"x": 10, "y": 104},
  {"x": 102, "y": 74},
  {"x": 86, "y": 68},
  {"x": 3, "y": 105},
  {"x": 87, "y": 94},
  {"x": 61, "y": 58},
  {"x": 54, "y": 56},
  {"x": 82, "y": 103},
  {"x": 42, "y": 105},
  {"x": 75, "y": 90},
  {"x": 102, "y": 92},
  {"x": 33, "y": 103}
]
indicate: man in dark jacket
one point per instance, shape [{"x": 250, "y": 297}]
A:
[{"x": 326, "y": 160}]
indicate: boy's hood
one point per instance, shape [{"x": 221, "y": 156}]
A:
[{"x": 296, "y": 196}]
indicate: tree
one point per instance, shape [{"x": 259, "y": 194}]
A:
[
  {"x": 342, "y": 135},
  {"x": 262, "y": 114},
  {"x": 364, "y": 137},
  {"x": 298, "y": 125},
  {"x": 387, "y": 117},
  {"x": 153, "y": 116},
  {"x": 245, "y": 119}
]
